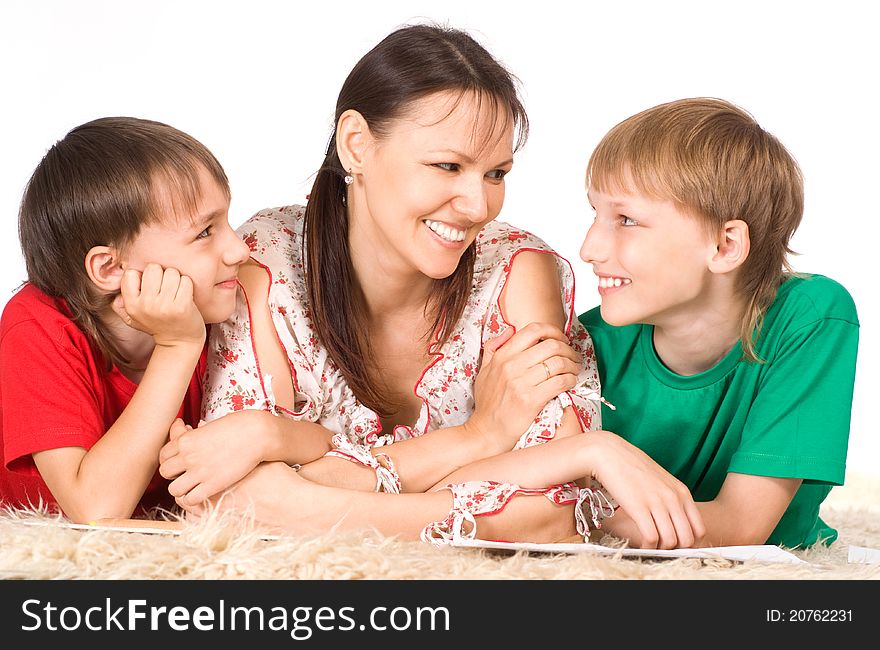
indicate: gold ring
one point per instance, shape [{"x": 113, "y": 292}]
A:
[{"x": 546, "y": 369}]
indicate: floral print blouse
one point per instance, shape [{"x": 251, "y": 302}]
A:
[{"x": 234, "y": 380}]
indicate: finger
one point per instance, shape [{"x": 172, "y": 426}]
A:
[
  {"x": 531, "y": 335},
  {"x": 551, "y": 389},
  {"x": 198, "y": 494},
  {"x": 696, "y": 521},
  {"x": 492, "y": 345},
  {"x": 151, "y": 280},
  {"x": 665, "y": 529},
  {"x": 130, "y": 284},
  {"x": 557, "y": 365},
  {"x": 540, "y": 373},
  {"x": 549, "y": 348},
  {"x": 178, "y": 428},
  {"x": 169, "y": 450},
  {"x": 185, "y": 289},
  {"x": 182, "y": 485},
  {"x": 172, "y": 467},
  {"x": 118, "y": 306},
  {"x": 194, "y": 512},
  {"x": 170, "y": 283},
  {"x": 683, "y": 529},
  {"x": 647, "y": 528}
]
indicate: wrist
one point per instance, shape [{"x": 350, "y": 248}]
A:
[
  {"x": 478, "y": 440},
  {"x": 181, "y": 345},
  {"x": 591, "y": 451},
  {"x": 178, "y": 352}
]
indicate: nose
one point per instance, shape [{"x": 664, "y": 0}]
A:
[
  {"x": 471, "y": 200},
  {"x": 594, "y": 248},
  {"x": 237, "y": 251}
]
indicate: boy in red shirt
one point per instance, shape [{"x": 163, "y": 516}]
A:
[{"x": 129, "y": 252}]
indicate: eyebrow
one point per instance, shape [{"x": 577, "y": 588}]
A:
[
  {"x": 200, "y": 222},
  {"x": 613, "y": 204},
  {"x": 467, "y": 158}
]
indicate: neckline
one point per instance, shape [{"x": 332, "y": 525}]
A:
[{"x": 727, "y": 363}]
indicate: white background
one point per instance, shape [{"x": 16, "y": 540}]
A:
[{"x": 256, "y": 81}]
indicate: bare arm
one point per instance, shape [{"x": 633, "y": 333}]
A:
[
  {"x": 511, "y": 388},
  {"x": 747, "y": 509},
  {"x": 109, "y": 479},
  {"x": 745, "y": 512}
]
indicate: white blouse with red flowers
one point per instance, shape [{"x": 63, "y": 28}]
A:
[{"x": 234, "y": 381}]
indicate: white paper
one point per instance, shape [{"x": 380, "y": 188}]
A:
[
  {"x": 863, "y": 555},
  {"x": 758, "y": 553}
]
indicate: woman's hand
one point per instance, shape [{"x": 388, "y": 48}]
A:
[
  {"x": 656, "y": 509},
  {"x": 160, "y": 302},
  {"x": 518, "y": 375},
  {"x": 211, "y": 458}
]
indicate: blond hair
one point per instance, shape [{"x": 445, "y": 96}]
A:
[{"x": 715, "y": 162}]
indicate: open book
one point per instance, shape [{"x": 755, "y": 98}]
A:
[{"x": 762, "y": 553}]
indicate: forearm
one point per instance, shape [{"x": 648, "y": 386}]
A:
[
  {"x": 726, "y": 529},
  {"x": 295, "y": 441},
  {"x": 524, "y": 518},
  {"x": 284, "y": 502},
  {"x": 570, "y": 456},
  {"x": 420, "y": 462},
  {"x": 730, "y": 527},
  {"x": 126, "y": 456},
  {"x": 746, "y": 510}
]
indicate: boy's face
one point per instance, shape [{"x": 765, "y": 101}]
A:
[
  {"x": 202, "y": 246},
  {"x": 651, "y": 259}
]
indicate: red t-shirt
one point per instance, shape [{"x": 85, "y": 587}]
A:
[{"x": 56, "y": 391}]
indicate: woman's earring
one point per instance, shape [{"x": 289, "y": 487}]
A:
[{"x": 349, "y": 179}]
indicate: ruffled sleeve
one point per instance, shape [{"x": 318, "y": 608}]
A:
[{"x": 498, "y": 248}]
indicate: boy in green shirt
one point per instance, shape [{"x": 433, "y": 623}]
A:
[{"x": 732, "y": 372}]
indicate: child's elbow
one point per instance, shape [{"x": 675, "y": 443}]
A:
[{"x": 91, "y": 512}]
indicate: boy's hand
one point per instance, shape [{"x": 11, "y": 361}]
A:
[
  {"x": 160, "y": 302},
  {"x": 205, "y": 461},
  {"x": 257, "y": 495},
  {"x": 518, "y": 375},
  {"x": 657, "y": 509}
]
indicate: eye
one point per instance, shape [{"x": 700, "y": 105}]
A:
[
  {"x": 497, "y": 174},
  {"x": 450, "y": 167},
  {"x": 626, "y": 221},
  {"x": 207, "y": 232}
]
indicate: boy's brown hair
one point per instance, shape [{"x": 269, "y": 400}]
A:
[
  {"x": 716, "y": 163},
  {"x": 98, "y": 186}
]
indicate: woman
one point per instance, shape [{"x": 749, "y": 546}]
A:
[{"x": 364, "y": 318}]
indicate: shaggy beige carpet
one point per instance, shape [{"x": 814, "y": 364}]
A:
[{"x": 36, "y": 546}]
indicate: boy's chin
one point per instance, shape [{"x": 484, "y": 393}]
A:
[
  {"x": 214, "y": 316},
  {"x": 614, "y": 318}
]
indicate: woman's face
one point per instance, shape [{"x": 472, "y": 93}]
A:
[{"x": 430, "y": 183}]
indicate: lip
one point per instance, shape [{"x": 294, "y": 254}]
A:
[
  {"x": 607, "y": 291},
  {"x": 232, "y": 283},
  {"x": 451, "y": 245}
]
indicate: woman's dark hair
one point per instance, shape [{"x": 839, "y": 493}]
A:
[
  {"x": 408, "y": 65},
  {"x": 97, "y": 186}
]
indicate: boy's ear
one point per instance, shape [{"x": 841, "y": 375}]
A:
[
  {"x": 105, "y": 268},
  {"x": 352, "y": 139},
  {"x": 733, "y": 247}
]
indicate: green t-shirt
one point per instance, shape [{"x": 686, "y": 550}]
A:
[{"x": 788, "y": 417}]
